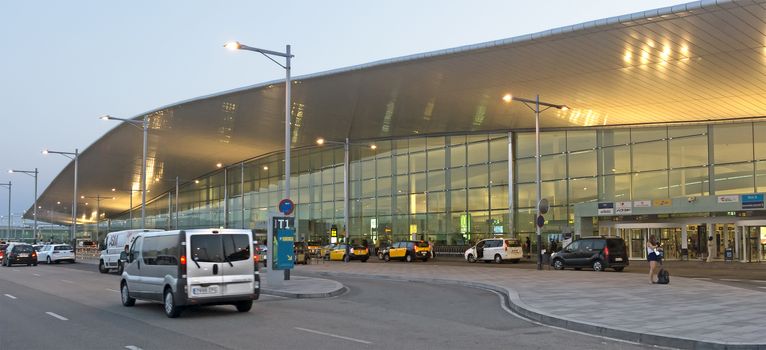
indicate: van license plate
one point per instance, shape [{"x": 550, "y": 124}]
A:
[
  {"x": 617, "y": 259},
  {"x": 205, "y": 290}
]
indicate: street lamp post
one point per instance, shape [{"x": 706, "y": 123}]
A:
[
  {"x": 145, "y": 126},
  {"x": 235, "y": 45},
  {"x": 98, "y": 199},
  {"x": 76, "y": 156},
  {"x": 8, "y": 185},
  {"x": 32, "y": 173},
  {"x": 346, "y": 167},
  {"x": 534, "y": 105}
]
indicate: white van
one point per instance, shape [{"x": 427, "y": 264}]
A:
[
  {"x": 495, "y": 249},
  {"x": 192, "y": 267},
  {"x": 114, "y": 244}
]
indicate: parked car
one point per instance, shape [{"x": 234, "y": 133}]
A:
[
  {"x": 324, "y": 252},
  {"x": 495, "y": 249},
  {"x": 598, "y": 253},
  {"x": 408, "y": 251},
  {"x": 261, "y": 253},
  {"x": 55, "y": 253},
  {"x": 301, "y": 252},
  {"x": 191, "y": 267},
  {"x": 20, "y": 253},
  {"x": 355, "y": 253}
]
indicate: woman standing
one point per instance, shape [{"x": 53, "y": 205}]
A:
[{"x": 652, "y": 257}]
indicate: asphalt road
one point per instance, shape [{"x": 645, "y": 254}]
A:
[{"x": 75, "y": 307}]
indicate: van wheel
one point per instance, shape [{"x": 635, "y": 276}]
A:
[
  {"x": 171, "y": 309},
  {"x": 558, "y": 264},
  {"x": 619, "y": 269},
  {"x": 598, "y": 266},
  {"x": 101, "y": 267},
  {"x": 386, "y": 257},
  {"x": 244, "y": 306},
  {"x": 408, "y": 258},
  {"x": 471, "y": 259},
  {"x": 498, "y": 259},
  {"x": 125, "y": 295}
]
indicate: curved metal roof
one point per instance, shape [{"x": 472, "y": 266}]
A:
[{"x": 695, "y": 62}]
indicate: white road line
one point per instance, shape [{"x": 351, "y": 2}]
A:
[
  {"x": 730, "y": 280},
  {"x": 113, "y": 290},
  {"x": 36, "y": 274},
  {"x": 758, "y": 281},
  {"x": 57, "y": 316},
  {"x": 702, "y": 278},
  {"x": 11, "y": 296},
  {"x": 15, "y": 270},
  {"x": 332, "y": 335},
  {"x": 132, "y": 347},
  {"x": 762, "y": 287},
  {"x": 67, "y": 281}
]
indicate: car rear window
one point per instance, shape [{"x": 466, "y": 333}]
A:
[
  {"x": 62, "y": 247},
  {"x": 616, "y": 245},
  {"x": 422, "y": 244},
  {"x": 206, "y": 248},
  {"x": 512, "y": 243},
  {"x": 23, "y": 249},
  {"x": 236, "y": 247}
]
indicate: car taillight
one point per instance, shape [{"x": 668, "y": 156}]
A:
[
  {"x": 255, "y": 258},
  {"x": 34, "y": 253},
  {"x": 183, "y": 259},
  {"x": 606, "y": 252}
]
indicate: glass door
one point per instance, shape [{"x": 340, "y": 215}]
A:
[
  {"x": 670, "y": 240},
  {"x": 637, "y": 243}
]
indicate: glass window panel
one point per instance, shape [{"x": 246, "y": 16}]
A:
[
  {"x": 760, "y": 140},
  {"x": 552, "y": 142},
  {"x": 458, "y": 200},
  {"x": 583, "y": 190},
  {"x": 555, "y": 192},
  {"x": 417, "y": 162},
  {"x": 498, "y": 149},
  {"x": 328, "y": 191},
  {"x": 477, "y": 153},
  {"x": 384, "y": 186},
  {"x": 328, "y": 209},
  {"x": 553, "y": 167},
  {"x": 384, "y": 205},
  {"x": 401, "y": 146},
  {"x": 417, "y": 203},
  {"x": 456, "y": 139},
  {"x": 457, "y": 178},
  {"x": 678, "y": 131},
  {"x": 417, "y": 144},
  {"x": 581, "y": 140},
  {"x": 479, "y": 223},
  {"x": 525, "y": 170},
  {"x": 436, "y": 181},
  {"x": 327, "y": 176},
  {"x": 476, "y": 138},
  {"x": 525, "y": 221},
  {"x": 650, "y": 156},
  {"x": 328, "y": 158},
  {"x": 477, "y": 176},
  {"x": 689, "y": 182},
  {"x": 526, "y": 195},
  {"x": 648, "y": 134},
  {"x": 734, "y": 178},
  {"x": 368, "y": 169},
  {"x": 582, "y": 164},
  {"x": 368, "y": 188},
  {"x": 457, "y": 156},
  {"x": 402, "y": 184},
  {"x": 384, "y": 148},
  {"x": 498, "y": 197},
  {"x": 436, "y": 201},
  {"x": 478, "y": 199},
  {"x": 402, "y": 164},
  {"x": 688, "y": 151},
  {"x": 498, "y": 173},
  {"x": 436, "y": 159},
  {"x": 615, "y": 160},
  {"x": 339, "y": 191},
  {"x": 417, "y": 183},
  {"x": 525, "y": 145},
  {"x": 733, "y": 143},
  {"x": 650, "y": 185},
  {"x": 383, "y": 166},
  {"x": 433, "y": 142},
  {"x": 368, "y": 206},
  {"x": 614, "y": 187},
  {"x": 402, "y": 204},
  {"x": 613, "y": 137},
  {"x": 760, "y": 176}
]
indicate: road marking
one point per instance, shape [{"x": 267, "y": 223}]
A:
[
  {"x": 11, "y": 296},
  {"x": 57, "y": 316},
  {"x": 132, "y": 347},
  {"x": 67, "y": 281},
  {"x": 758, "y": 281},
  {"x": 332, "y": 335},
  {"x": 730, "y": 280},
  {"x": 113, "y": 290},
  {"x": 702, "y": 278},
  {"x": 15, "y": 270},
  {"x": 758, "y": 287},
  {"x": 36, "y": 274}
]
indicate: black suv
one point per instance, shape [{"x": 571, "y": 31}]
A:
[
  {"x": 20, "y": 253},
  {"x": 599, "y": 253}
]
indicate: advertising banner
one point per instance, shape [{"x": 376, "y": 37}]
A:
[
  {"x": 752, "y": 201},
  {"x": 606, "y": 208},
  {"x": 622, "y": 208}
]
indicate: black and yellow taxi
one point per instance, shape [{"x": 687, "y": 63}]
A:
[
  {"x": 301, "y": 251},
  {"x": 338, "y": 253},
  {"x": 408, "y": 251},
  {"x": 314, "y": 248}
]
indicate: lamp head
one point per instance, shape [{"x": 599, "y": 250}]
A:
[
  {"x": 219, "y": 165},
  {"x": 508, "y": 98},
  {"x": 232, "y": 45},
  {"x": 45, "y": 151},
  {"x": 373, "y": 147},
  {"x": 564, "y": 108},
  {"x": 10, "y": 171},
  {"x": 320, "y": 141},
  {"x": 106, "y": 117}
]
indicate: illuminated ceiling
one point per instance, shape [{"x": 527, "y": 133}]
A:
[{"x": 695, "y": 62}]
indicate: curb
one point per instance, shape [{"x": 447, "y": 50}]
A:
[
  {"x": 514, "y": 302},
  {"x": 339, "y": 291}
]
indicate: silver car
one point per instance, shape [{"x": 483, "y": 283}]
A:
[{"x": 191, "y": 267}]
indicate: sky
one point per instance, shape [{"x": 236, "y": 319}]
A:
[{"x": 66, "y": 63}]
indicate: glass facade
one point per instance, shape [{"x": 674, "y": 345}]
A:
[{"x": 454, "y": 189}]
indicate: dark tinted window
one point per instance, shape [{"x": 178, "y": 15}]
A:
[
  {"x": 62, "y": 247},
  {"x": 598, "y": 244},
  {"x": 512, "y": 243},
  {"x": 616, "y": 245},
  {"x": 23, "y": 249},
  {"x": 206, "y": 248},
  {"x": 422, "y": 244},
  {"x": 3, "y": 246},
  {"x": 236, "y": 247}
]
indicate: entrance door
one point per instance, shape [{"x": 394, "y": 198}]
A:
[
  {"x": 670, "y": 240},
  {"x": 637, "y": 243}
]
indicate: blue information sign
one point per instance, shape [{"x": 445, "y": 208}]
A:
[
  {"x": 284, "y": 250},
  {"x": 752, "y": 201}
]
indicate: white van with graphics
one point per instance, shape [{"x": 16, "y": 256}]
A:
[
  {"x": 192, "y": 267},
  {"x": 114, "y": 244}
]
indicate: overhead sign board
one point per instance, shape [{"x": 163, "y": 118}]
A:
[
  {"x": 642, "y": 204},
  {"x": 752, "y": 201},
  {"x": 662, "y": 202},
  {"x": 606, "y": 208},
  {"x": 283, "y": 253},
  {"x": 727, "y": 199},
  {"x": 622, "y": 208}
]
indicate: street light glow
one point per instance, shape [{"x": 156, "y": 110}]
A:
[
  {"x": 106, "y": 117},
  {"x": 219, "y": 165},
  {"x": 232, "y": 45},
  {"x": 373, "y": 147},
  {"x": 10, "y": 171},
  {"x": 320, "y": 141},
  {"x": 508, "y": 98},
  {"x": 45, "y": 151}
]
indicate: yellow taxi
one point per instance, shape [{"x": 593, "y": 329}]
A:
[
  {"x": 408, "y": 251},
  {"x": 338, "y": 253}
]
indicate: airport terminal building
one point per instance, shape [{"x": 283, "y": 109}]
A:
[{"x": 664, "y": 135}]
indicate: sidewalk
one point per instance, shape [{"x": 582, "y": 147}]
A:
[{"x": 687, "y": 313}]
